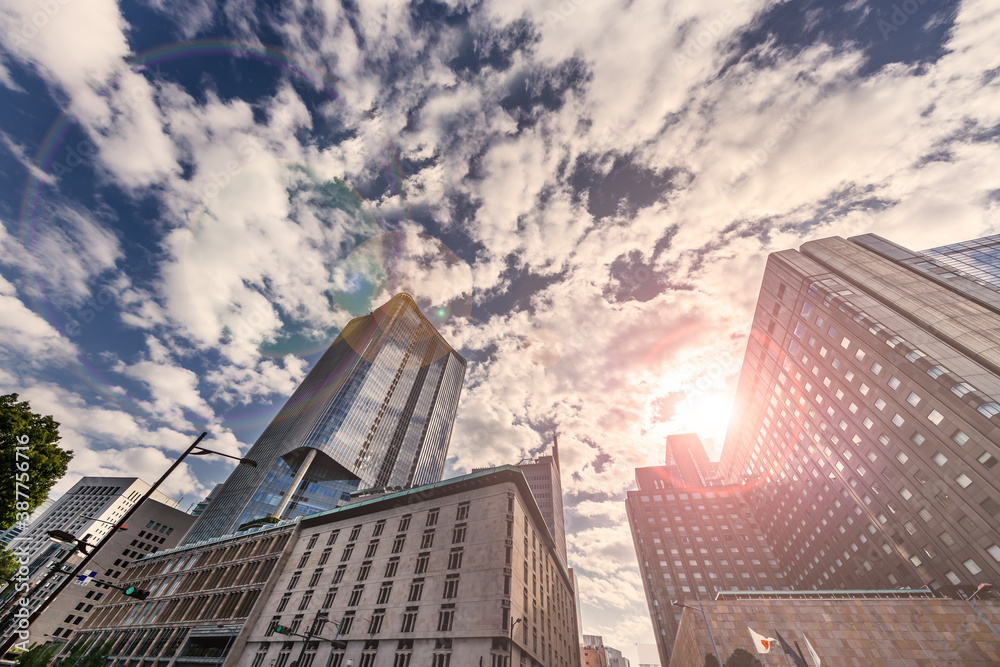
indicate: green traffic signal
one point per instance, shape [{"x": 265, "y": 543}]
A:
[
  {"x": 136, "y": 593},
  {"x": 282, "y": 630}
]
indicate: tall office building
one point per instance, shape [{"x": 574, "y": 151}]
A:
[
  {"x": 376, "y": 410},
  {"x": 546, "y": 485},
  {"x": 867, "y": 415},
  {"x": 694, "y": 536}
]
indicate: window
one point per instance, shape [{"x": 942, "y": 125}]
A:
[
  {"x": 935, "y": 417},
  {"x": 446, "y": 618},
  {"x": 397, "y": 543},
  {"x": 284, "y": 602},
  {"x": 902, "y": 457},
  {"x": 971, "y": 566},
  {"x": 384, "y": 591},
  {"x": 348, "y": 551},
  {"x": 338, "y": 574},
  {"x": 455, "y": 559},
  {"x": 366, "y": 569},
  {"x": 451, "y": 586},
  {"x": 913, "y": 399},
  {"x": 346, "y": 623},
  {"x": 936, "y": 371},
  {"x": 898, "y": 420},
  {"x": 940, "y": 459},
  {"x": 294, "y": 581},
  {"x": 409, "y": 620},
  {"x": 333, "y": 538},
  {"x": 314, "y": 579},
  {"x": 325, "y": 556},
  {"x": 379, "y": 527},
  {"x": 876, "y": 368},
  {"x": 432, "y": 517},
  {"x": 458, "y": 535},
  {"x": 463, "y": 512},
  {"x": 963, "y": 480},
  {"x": 416, "y": 590},
  {"x": 961, "y": 389},
  {"x": 427, "y": 540},
  {"x": 422, "y": 561},
  {"x": 331, "y": 595},
  {"x": 989, "y": 410},
  {"x": 375, "y": 624},
  {"x": 987, "y": 460},
  {"x": 404, "y": 523},
  {"x": 356, "y": 595},
  {"x": 960, "y": 438},
  {"x": 879, "y": 403},
  {"x": 893, "y": 382},
  {"x": 952, "y": 577},
  {"x": 372, "y": 548},
  {"x": 354, "y": 533}
]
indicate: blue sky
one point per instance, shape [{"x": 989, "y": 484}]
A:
[{"x": 582, "y": 195}]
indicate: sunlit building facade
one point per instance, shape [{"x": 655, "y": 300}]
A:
[
  {"x": 376, "y": 410},
  {"x": 867, "y": 417},
  {"x": 442, "y": 575},
  {"x": 694, "y": 536}
]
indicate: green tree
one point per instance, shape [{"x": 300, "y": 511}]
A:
[
  {"x": 8, "y": 565},
  {"x": 39, "y": 655},
  {"x": 742, "y": 658},
  {"x": 30, "y": 476},
  {"x": 710, "y": 661}
]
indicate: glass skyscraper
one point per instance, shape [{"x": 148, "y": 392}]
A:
[
  {"x": 978, "y": 259},
  {"x": 376, "y": 410}
]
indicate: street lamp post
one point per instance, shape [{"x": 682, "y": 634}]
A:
[
  {"x": 10, "y": 641},
  {"x": 511, "y": 638},
  {"x": 679, "y": 603},
  {"x": 982, "y": 588}
]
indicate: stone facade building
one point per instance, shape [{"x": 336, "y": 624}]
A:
[{"x": 439, "y": 575}]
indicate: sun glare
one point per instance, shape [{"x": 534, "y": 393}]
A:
[{"x": 706, "y": 414}]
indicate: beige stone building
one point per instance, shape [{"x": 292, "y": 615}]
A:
[{"x": 439, "y": 575}]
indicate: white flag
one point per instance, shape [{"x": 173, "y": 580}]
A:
[
  {"x": 814, "y": 657},
  {"x": 760, "y": 642}
]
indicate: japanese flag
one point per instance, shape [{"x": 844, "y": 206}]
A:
[{"x": 760, "y": 642}]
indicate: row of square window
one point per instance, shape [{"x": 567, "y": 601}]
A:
[
  {"x": 454, "y": 562},
  {"x": 458, "y": 535},
  {"x": 987, "y": 409}
]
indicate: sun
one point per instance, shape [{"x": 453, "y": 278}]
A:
[{"x": 705, "y": 413}]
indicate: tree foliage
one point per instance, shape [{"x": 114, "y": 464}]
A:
[
  {"x": 39, "y": 655},
  {"x": 742, "y": 658},
  {"x": 41, "y": 464},
  {"x": 711, "y": 661},
  {"x": 8, "y": 565}
]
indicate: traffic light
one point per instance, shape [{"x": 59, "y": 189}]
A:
[
  {"x": 136, "y": 593},
  {"x": 282, "y": 629}
]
